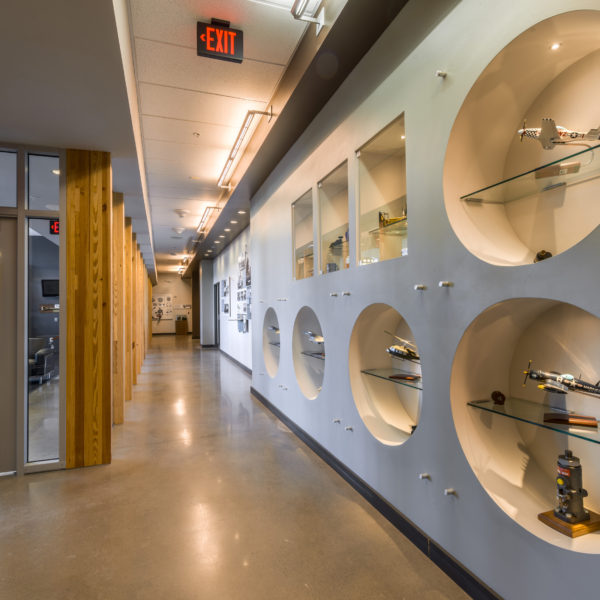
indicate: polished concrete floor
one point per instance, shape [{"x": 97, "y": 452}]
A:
[{"x": 208, "y": 497}]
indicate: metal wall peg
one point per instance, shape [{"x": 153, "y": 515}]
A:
[
  {"x": 450, "y": 492},
  {"x": 281, "y": 299},
  {"x": 337, "y": 421},
  {"x": 349, "y": 428},
  {"x": 333, "y": 294},
  {"x": 345, "y": 293},
  {"x": 442, "y": 74},
  {"x": 419, "y": 287},
  {"x": 446, "y": 284},
  {"x": 425, "y": 476}
]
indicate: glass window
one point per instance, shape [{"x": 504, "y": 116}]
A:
[
  {"x": 382, "y": 195},
  {"x": 333, "y": 209},
  {"x": 8, "y": 178},
  {"x": 43, "y": 340},
  {"x": 43, "y": 182},
  {"x": 302, "y": 226}
]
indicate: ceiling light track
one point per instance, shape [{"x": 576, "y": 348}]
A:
[
  {"x": 298, "y": 10},
  {"x": 238, "y": 144}
]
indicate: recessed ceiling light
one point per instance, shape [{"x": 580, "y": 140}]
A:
[
  {"x": 217, "y": 241},
  {"x": 195, "y": 134},
  {"x": 402, "y": 137},
  {"x": 233, "y": 222},
  {"x": 227, "y": 229},
  {"x": 555, "y": 46},
  {"x": 241, "y": 212},
  {"x": 56, "y": 171},
  {"x": 209, "y": 250},
  {"x": 221, "y": 236}
]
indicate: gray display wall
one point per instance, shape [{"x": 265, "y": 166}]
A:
[{"x": 497, "y": 310}]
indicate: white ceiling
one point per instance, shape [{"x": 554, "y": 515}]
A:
[{"x": 191, "y": 107}]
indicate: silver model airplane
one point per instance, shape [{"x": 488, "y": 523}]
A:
[
  {"x": 314, "y": 337},
  {"x": 274, "y": 329},
  {"x": 405, "y": 349},
  {"x": 560, "y": 383},
  {"x": 550, "y": 134}
]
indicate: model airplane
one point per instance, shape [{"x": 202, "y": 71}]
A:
[
  {"x": 550, "y": 134},
  {"x": 274, "y": 329},
  {"x": 314, "y": 337},
  {"x": 405, "y": 349},
  {"x": 560, "y": 383}
]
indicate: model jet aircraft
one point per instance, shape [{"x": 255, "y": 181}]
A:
[
  {"x": 405, "y": 349},
  {"x": 314, "y": 337},
  {"x": 560, "y": 383},
  {"x": 550, "y": 134}
]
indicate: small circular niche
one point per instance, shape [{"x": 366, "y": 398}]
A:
[
  {"x": 271, "y": 343},
  {"x": 508, "y": 198},
  {"x": 385, "y": 374},
  {"x": 510, "y": 447},
  {"x": 308, "y": 351}
]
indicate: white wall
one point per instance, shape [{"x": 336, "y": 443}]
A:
[
  {"x": 515, "y": 560},
  {"x": 237, "y": 345},
  {"x": 181, "y": 292}
]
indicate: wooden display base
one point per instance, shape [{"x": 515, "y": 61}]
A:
[{"x": 593, "y": 524}]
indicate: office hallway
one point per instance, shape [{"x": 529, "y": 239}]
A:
[{"x": 208, "y": 497}]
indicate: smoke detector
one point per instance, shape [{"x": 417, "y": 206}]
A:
[{"x": 181, "y": 212}]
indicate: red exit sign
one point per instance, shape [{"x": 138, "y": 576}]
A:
[
  {"x": 218, "y": 40},
  {"x": 55, "y": 227}
]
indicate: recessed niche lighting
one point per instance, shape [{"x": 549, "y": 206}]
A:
[
  {"x": 555, "y": 46},
  {"x": 241, "y": 212},
  {"x": 233, "y": 222},
  {"x": 402, "y": 137},
  {"x": 227, "y": 229},
  {"x": 56, "y": 171}
]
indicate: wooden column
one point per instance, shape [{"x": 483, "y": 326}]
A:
[
  {"x": 89, "y": 308},
  {"x": 149, "y": 310},
  {"x": 134, "y": 304},
  {"x": 118, "y": 369},
  {"x": 128, "y": 313}
]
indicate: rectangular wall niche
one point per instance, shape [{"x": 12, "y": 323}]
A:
[
  {"x": 333, "y": 213},
  {"x": 382, "y": 195},
  {"x": 302, "y": 231}
]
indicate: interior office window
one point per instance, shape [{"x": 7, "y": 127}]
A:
[
  {"x": 333, "y": 212},
  {"x": 42, "y": 182},
  {"x": 43, "y": 340},
  {"x": 382, "y": 195},
  {"x": 302, "y": 231},
  {"x": 8, "y": 178}
]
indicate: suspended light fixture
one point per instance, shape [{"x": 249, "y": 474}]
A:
[{"x": 298, "y": 10}]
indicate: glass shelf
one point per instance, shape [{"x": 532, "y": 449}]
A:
[
  {"x": 394, "y": 375},
  {"x": 319, "y": 355},
  {"x": 533, "y": 413},
  {"x": 397, "y": 228},
  {"x": 567, "y": 171}
]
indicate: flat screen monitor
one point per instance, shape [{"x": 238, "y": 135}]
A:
[{"x": 50, "y": 287}]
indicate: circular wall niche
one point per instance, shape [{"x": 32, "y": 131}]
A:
[
  {"x": 271, "y": 343},
  {"x": 308, "y": 351},
  {"x": 555, "y": 207},
  {"x": 515, "y": 461},
  {"x": 386, "y": 389}
]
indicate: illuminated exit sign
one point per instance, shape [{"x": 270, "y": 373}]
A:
[
  {"x": 54, "y": 227},
  {"x": 217, "y": 40}
]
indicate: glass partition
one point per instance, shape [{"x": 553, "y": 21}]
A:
[
  {"x": 42, "y": 182},
  {"x": 302, "y": 232},
  {"x": 8, "y": 178},
  {"x": 382, "y": 195},
  {"x": 43, "y": 340},
  {"x": 333, "y": 213}
]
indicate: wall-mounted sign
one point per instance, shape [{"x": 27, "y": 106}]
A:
[
  {"x": 217, "y": 40},
  {"x": 54, "y": 226}
]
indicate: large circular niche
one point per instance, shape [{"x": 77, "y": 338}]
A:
[
  {"x": 515, "y": 460},
  {"x": 271, "y": 343},
  {"x": 555, "y": 207},
  {"x": 308, "y": 351},
  {"x": 386, "y": 388}
]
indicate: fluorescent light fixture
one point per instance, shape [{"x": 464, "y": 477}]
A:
[
  {"x": 298, "y": 10},
  {"x": 238, "y": 144},
  {"x": 205, "y": 217}
]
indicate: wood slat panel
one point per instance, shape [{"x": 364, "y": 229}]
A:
[
  {"x": 89, "y": 308},
  {"x": 149, "y": 310},
  {"x": 118, "y": 359},
  {"x": 128, "y": 312},
  {"x": 134, "y": 305}
]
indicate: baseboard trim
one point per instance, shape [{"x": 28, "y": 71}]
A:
[
  {"x": 455, "y": 570},
  {"x": 237, "y": 362}
]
